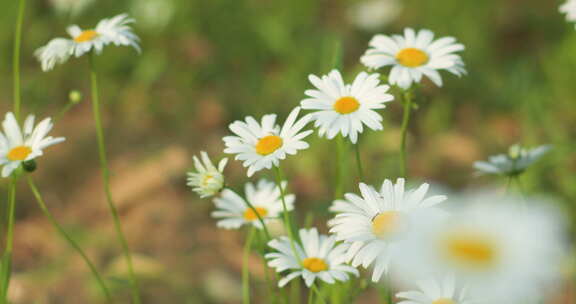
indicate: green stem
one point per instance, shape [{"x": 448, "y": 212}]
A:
[
  {"x": 246, "y": 269},
  {"x": 405, "y": 122},
  {"x": 69, "y": 239},
  {"x": 106, "y": 180},
  {"x": 16, "y": 57},
  {"x": 260, "y": 219},
  {"x": 6, "y": 270},
  {"x": 359, "y": 161},
  {"x": 317, "y": 292},
  {"x": 310, "y": 297},
  {"x": 287, "y": 222}
]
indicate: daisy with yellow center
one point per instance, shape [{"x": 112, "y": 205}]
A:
[
  {"x": 208, "y": 179},
  {"x": 262, "y": 145},
  {"x": 115, "y": 30},
  {"x": 513, "y": 163},
  {"x": 491, "y": 242},
  {"x": 414, "y": 55},
  {"x": 234, "y": 211},
  {"x": 341, "y": 108},
  {"x": 569, "y": 8},
  {"x": 320, "y": 257},
  {"x": 20, "y": 145},
  {"x": 375, "y": 222},
  {"x": 437, "y": 290}
]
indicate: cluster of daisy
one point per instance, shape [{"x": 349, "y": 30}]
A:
[{"x": 457, "y": 256}]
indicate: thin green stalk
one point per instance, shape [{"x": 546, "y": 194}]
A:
[
  {"x": 287, "y": 222},
  {"x": 6, "y": 270},
  {"x": 260, "y": 219},
  {"x": 310, "y": 297},
  {"x": 314, "y": 289},
  {"x": 405, "y": 122},
  {"x": 509, "y": 184},
  {"x": 69, "y": 239},
  {"x": 16, "y": 58},
  {"x": 359, "y": 162},
  {"x": 340, "y": 167},
  {"x": 106, "y": 179},
  {"x": 245, "y": 268}
]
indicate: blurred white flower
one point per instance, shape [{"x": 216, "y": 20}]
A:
[
  {"x": 375, "y": 223},
  {"x": 153, "y": 14},
  {"x": 321, "y": 258},
  {"x": 263, "y": 145},
  {"x": 514, "y": 163},
  {"x": 437, "y": 290},
  {"x": 414, "y": 55},
  {"x": 20, "y": 145},
  {"x": 233, "y": 211},
  {"x": 345, "y": 108},
  {"x": 569, "y": 8},
  {"x": 71, "y": 7},
  {"x": 372, "y": 15},
  {"x": 115, "y": 30},
  {"x": 208, "y": 179},
  {"x": 505, "y": 251}
]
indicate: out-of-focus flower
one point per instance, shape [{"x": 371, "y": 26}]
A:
[
  {"x": 375, "y": 223},
  {"x": 21, "y": 145},
  {"x": 321, "y": 258},
  {"x": 372, "y": 15},
  {"x": 153, "y": 14},
  {"x": 345, "y": 108},
  {"x": 233, "y": 211},
  {"x": 438, "y": 290},
  {"x": 414, "y": 55},
  {"x": 71, "y": 7},
  {"x": 491, "y": 242},
  {"x": 263, "y": 145},
  {"x": 208, "y": 179},
  {"x": 514, "y": 163},
  {"x": 569, "y": 8},
  {"x": 115, "y": 30}
]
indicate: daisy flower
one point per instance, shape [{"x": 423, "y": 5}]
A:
[
  {"x": 208, "y": 179},
  {"x": 414, "y": 55},
  {"x": 514, "y": 163},
  {"x": 346, "y": 108},
  {"x": 374, "y": 223},
  {"x": 233, "y": 211},
  {"x": 20, "y": 145},
  {"x": 569, "y": 8},
  {"x": 436, "y": 291},
  {"x": 321, "y": 258},
  {"x": 263, "y": 145},
  {"x": 489, "y": 243},
  {"x": 115, "y": 30}
]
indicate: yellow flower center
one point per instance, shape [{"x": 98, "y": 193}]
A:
[
  {"x": 250, "y": 215},
  {"x": 314, "y": 264},
  {"x": 268, "y": 144},
  {"x": 470, "y": 250},
  {"x": 19, "y": 153},
  {"x": 346, "y": 105},
  {"x": 86, "y": 36},
  {"x": 444, "y": 301},
  {"x": 385, "y": 224},
  {"x": 207, "y": 179},
  {"x": 412, "y": 57}
]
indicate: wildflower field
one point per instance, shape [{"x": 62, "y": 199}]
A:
[{"x": 302, "y": 151}]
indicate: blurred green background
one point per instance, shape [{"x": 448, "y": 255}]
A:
[{"x": 207, "y": 63}]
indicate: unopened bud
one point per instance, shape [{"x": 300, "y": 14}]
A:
[
  {"x": 75, "y": 96},
  {"x": 29, "y": 165}
]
